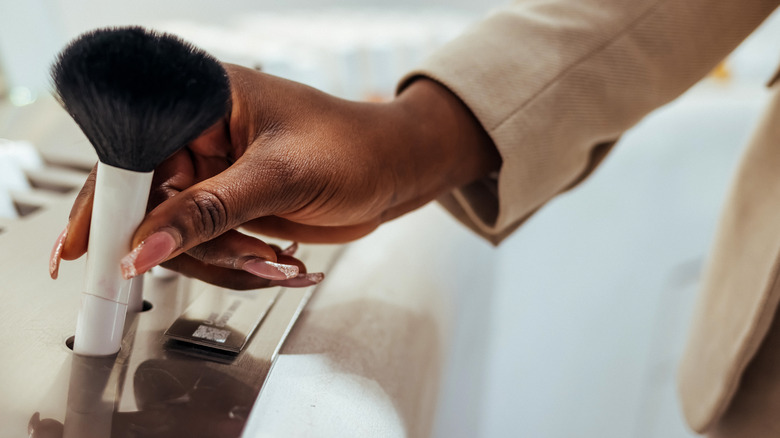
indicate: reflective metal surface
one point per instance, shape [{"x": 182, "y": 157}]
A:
[
  {"x": 223, "y": 320},
  {"x": 154, "y": 387}
]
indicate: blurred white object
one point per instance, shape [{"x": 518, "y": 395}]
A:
[
  {"x": 15, "y": 158},
  {"x": 22, "y": 153},
  {"x": 354, "y": 54},
  {"x": 7, "y": 209},
  {"x": 21, "y": 96}
]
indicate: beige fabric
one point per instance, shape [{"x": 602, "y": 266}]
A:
[
  {"x": 740, "y": 290},
  {"x": 556, "y": 82},
  {"x": 753, "y": 411}
]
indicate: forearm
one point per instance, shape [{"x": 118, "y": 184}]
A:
[{"x": 555, "y": 82}]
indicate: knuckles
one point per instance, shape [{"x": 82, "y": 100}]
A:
[
  {"x": 201, "y": 252},
  {"x": 208, "y": 214}
]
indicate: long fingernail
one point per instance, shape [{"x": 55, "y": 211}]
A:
[
  {"x": 301, "y": 280},
  {"x": 56, "y": 253},
  {"x": 290, "y": 250},
  {"x": 150, "y": 253},
  {"x": 270, "y": 270}
]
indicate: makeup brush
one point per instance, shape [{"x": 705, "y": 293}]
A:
[{"x": 139, "y": 96}]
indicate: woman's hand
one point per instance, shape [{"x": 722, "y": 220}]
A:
[{"x": 291, "y": 162}]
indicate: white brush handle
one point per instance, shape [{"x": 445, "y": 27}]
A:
[{"x": 117, "y": 210}]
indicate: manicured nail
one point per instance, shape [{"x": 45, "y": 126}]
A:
[
  {"x": 270, "y": 270},
  {"x": 150, "y": 253},
  {"x": 290, "y": 250},
  {"x": 56, "y": 253},
  {"x": 301, "y": 280}
]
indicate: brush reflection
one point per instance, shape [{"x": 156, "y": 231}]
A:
[{"x": 175, "y": 397}]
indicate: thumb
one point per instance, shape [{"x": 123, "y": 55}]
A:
[{"x": 203, "y": 212}]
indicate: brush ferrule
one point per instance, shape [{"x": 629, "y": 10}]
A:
[{"x": 118, "y": 208}]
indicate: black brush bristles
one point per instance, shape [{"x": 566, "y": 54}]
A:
[{"x": 139, "y": 95}]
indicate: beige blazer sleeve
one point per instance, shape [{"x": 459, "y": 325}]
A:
[{"x": 556, "y": 82}]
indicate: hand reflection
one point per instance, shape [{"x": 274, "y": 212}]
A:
[
  {"x": 175, "y": 397},
  {"x": 46, "y": 428}
]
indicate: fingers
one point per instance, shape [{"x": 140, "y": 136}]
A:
[
  {"x": 236, "y": 250},
  {"x": 56, "y": 254},
  {"x": 75, "y": 243},
  {"x": 201, "y": 213},
  {"x": 216, "y": 275},
  {"x": 73, "y": 240},
  {"x": 232, "y": 249},
  {"x": 302, "y": 280},
  {"x": 240, "y": 279}
]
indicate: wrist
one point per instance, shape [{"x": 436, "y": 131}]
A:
[{"x": 449, "y": 148}]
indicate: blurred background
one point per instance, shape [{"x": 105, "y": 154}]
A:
[{"x": 579, "y": 328}]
